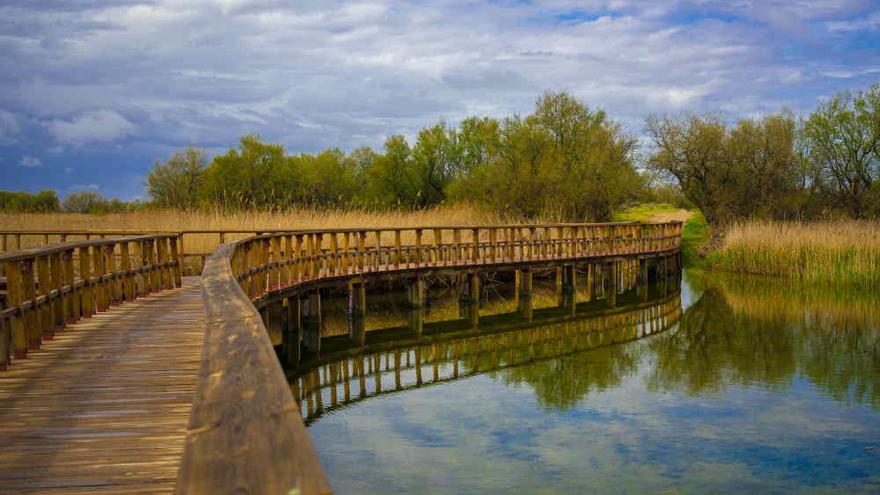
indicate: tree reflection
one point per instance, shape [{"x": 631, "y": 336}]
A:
[
  {"x": 562, "y": 382},
  {"x": 758, "y": 333}
]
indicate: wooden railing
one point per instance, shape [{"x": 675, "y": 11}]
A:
[
  {"x": 269, "y": 262},
  {"x": 52, "y": 286}
]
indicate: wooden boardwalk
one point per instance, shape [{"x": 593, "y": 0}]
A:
[{"x": 103, "y": 408}]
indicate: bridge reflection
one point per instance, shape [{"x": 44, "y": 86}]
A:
[{"x": 394, "y": 355}]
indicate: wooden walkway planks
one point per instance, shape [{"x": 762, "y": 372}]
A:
[{"x": 103, "y": 408}]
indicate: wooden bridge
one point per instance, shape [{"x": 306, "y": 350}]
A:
[{"x": 123, "y": 375}]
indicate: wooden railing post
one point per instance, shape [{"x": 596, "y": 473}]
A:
[
  {"x": 87, "y": 293},
  {"x": 377, "y": 262},
  {"x": 71, "y": 299},
  {"x": 16, "y": 296},
  {"x": 128, "y": 288},
  {"x": 475, "y": 242},
  {"x": 177, "y": 258},
  {"x": 114, "y": 290},
  {"x": 397, "y": 249},
  {"x": 46, "y": 326},
  {"x": 418, "y": 248}
]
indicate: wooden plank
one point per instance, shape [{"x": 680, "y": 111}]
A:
[{"x": 103, "y": 407}]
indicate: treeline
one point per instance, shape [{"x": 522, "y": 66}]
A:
[
  {"x": 777, "y": 166},
  {"x": 563, "y": 160},
  {"x": 47, "y": 201}
]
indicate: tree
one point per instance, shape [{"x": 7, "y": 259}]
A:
[
  {"x": 389, "y": 180},
  {"x": 751, "y": 169},
  {"x": 22, "y": 202},
  {"x": 175, "y": 183},
  {"x": 257, "y": 175},
  {"x": 564, "y": 161},
  {"x": 842, "y": 139},
  {"x": 84, "y": 202}
]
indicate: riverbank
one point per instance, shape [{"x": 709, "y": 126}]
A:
[{"x": 843, "y": 253}]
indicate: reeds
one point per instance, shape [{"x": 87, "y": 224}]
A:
[
  {"x": 833, "y": 253},
  {"x": 218, "y": 219}
]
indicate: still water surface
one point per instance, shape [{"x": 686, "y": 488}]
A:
[{"x": 731, "y": 385}]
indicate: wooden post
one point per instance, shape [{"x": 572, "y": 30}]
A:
[
  {"x": 114, "y": 290},
  {"x": 439, "y": 257},
  {"x": 377, "y": 262},
  {"x": 128, "y": 289},
  {"x": 98, "y": 268},
  {"x": 612, "y": 278},
  {"x": 397, "y": 249},
  {"x": 16, "y": 296},
  {"x": 290, "y": 339},
  {"x": 475, "y": 243},
  {"x": 31, "y": 316},
  {"x": 299, "y": 252},
  {"x": 334, "y": 253},
  {"x": 362, "y": 249},
  {"x": 44, "y": 313},
  {"x": 177, "y": 258},
  {"x": 524, "y": 289},
  {"x": 357, "y": 307},
  {"x": 418, "y": 248},
  {"x": 312, "y": 322},
  {"x": 87, "y": 293},
  {"x": 72, "y": 299}
]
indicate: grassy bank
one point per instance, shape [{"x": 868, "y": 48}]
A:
[
  {"x": 841, "y": 253},
  {"x": 695, "y": 232}
]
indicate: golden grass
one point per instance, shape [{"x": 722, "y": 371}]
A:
[
  {"x": 833, "y": 253},
  {"x": 294, "y": 219}
]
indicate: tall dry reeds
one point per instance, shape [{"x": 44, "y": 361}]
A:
[
  {"x": 218, "y": 219},
  {"x": 843, "y": 253}
]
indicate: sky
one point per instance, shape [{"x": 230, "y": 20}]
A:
[{"x": 93, "y": 92}]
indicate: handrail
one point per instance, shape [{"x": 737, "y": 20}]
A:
[
  {"x": 59, "y": 291},
  {"x": 245, "y": 433}
]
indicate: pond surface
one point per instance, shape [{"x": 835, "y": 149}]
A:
[{"x": 729, "y": 385}]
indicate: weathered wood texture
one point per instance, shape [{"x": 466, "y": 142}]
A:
[
  {"x": 245, "y": 433},
  {"x": 103, "y": 407}
]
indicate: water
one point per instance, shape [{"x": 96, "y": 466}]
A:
[{"x": 731, "y": 385}]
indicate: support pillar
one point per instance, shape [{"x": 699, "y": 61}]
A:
[
  {"x": 415, "y": 298},
  {"x": 292, "y": 331},
  {"x": 524, "y": 293},
  {"x": 568, "y": 289},
  {"x": 357, "y": 311},
  {"x": 272, "y": 318},
  {"x": 613, "y": 281},
  {"x": 469, "y": 299},
  {"x": 311, "y": 322}
]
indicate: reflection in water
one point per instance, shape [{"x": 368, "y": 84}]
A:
[
  {"x": 753, "y": 387},
  {"x": 756, "y": 331},
  {"x": 340, "y": 379}
]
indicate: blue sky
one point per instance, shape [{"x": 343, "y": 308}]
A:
[{"x": 92, "y": 92}]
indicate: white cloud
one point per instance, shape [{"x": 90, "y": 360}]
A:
[
  {"x": 30, "y": 162},
  {"x": 337, "y": 73},
  {"x": 91, "y": 127}
]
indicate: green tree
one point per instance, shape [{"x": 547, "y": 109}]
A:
[
  {"x": 257, "y": 175},
  {"x": 388, "y": 176},
  {"x": 842, "y": 140},
  {"x": 751, "y": 169},
  {"x": 175, "y": 183},
  {"x": 85, "y": 202}
]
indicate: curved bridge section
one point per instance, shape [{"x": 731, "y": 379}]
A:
[{"x": 246, "y": 432}]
